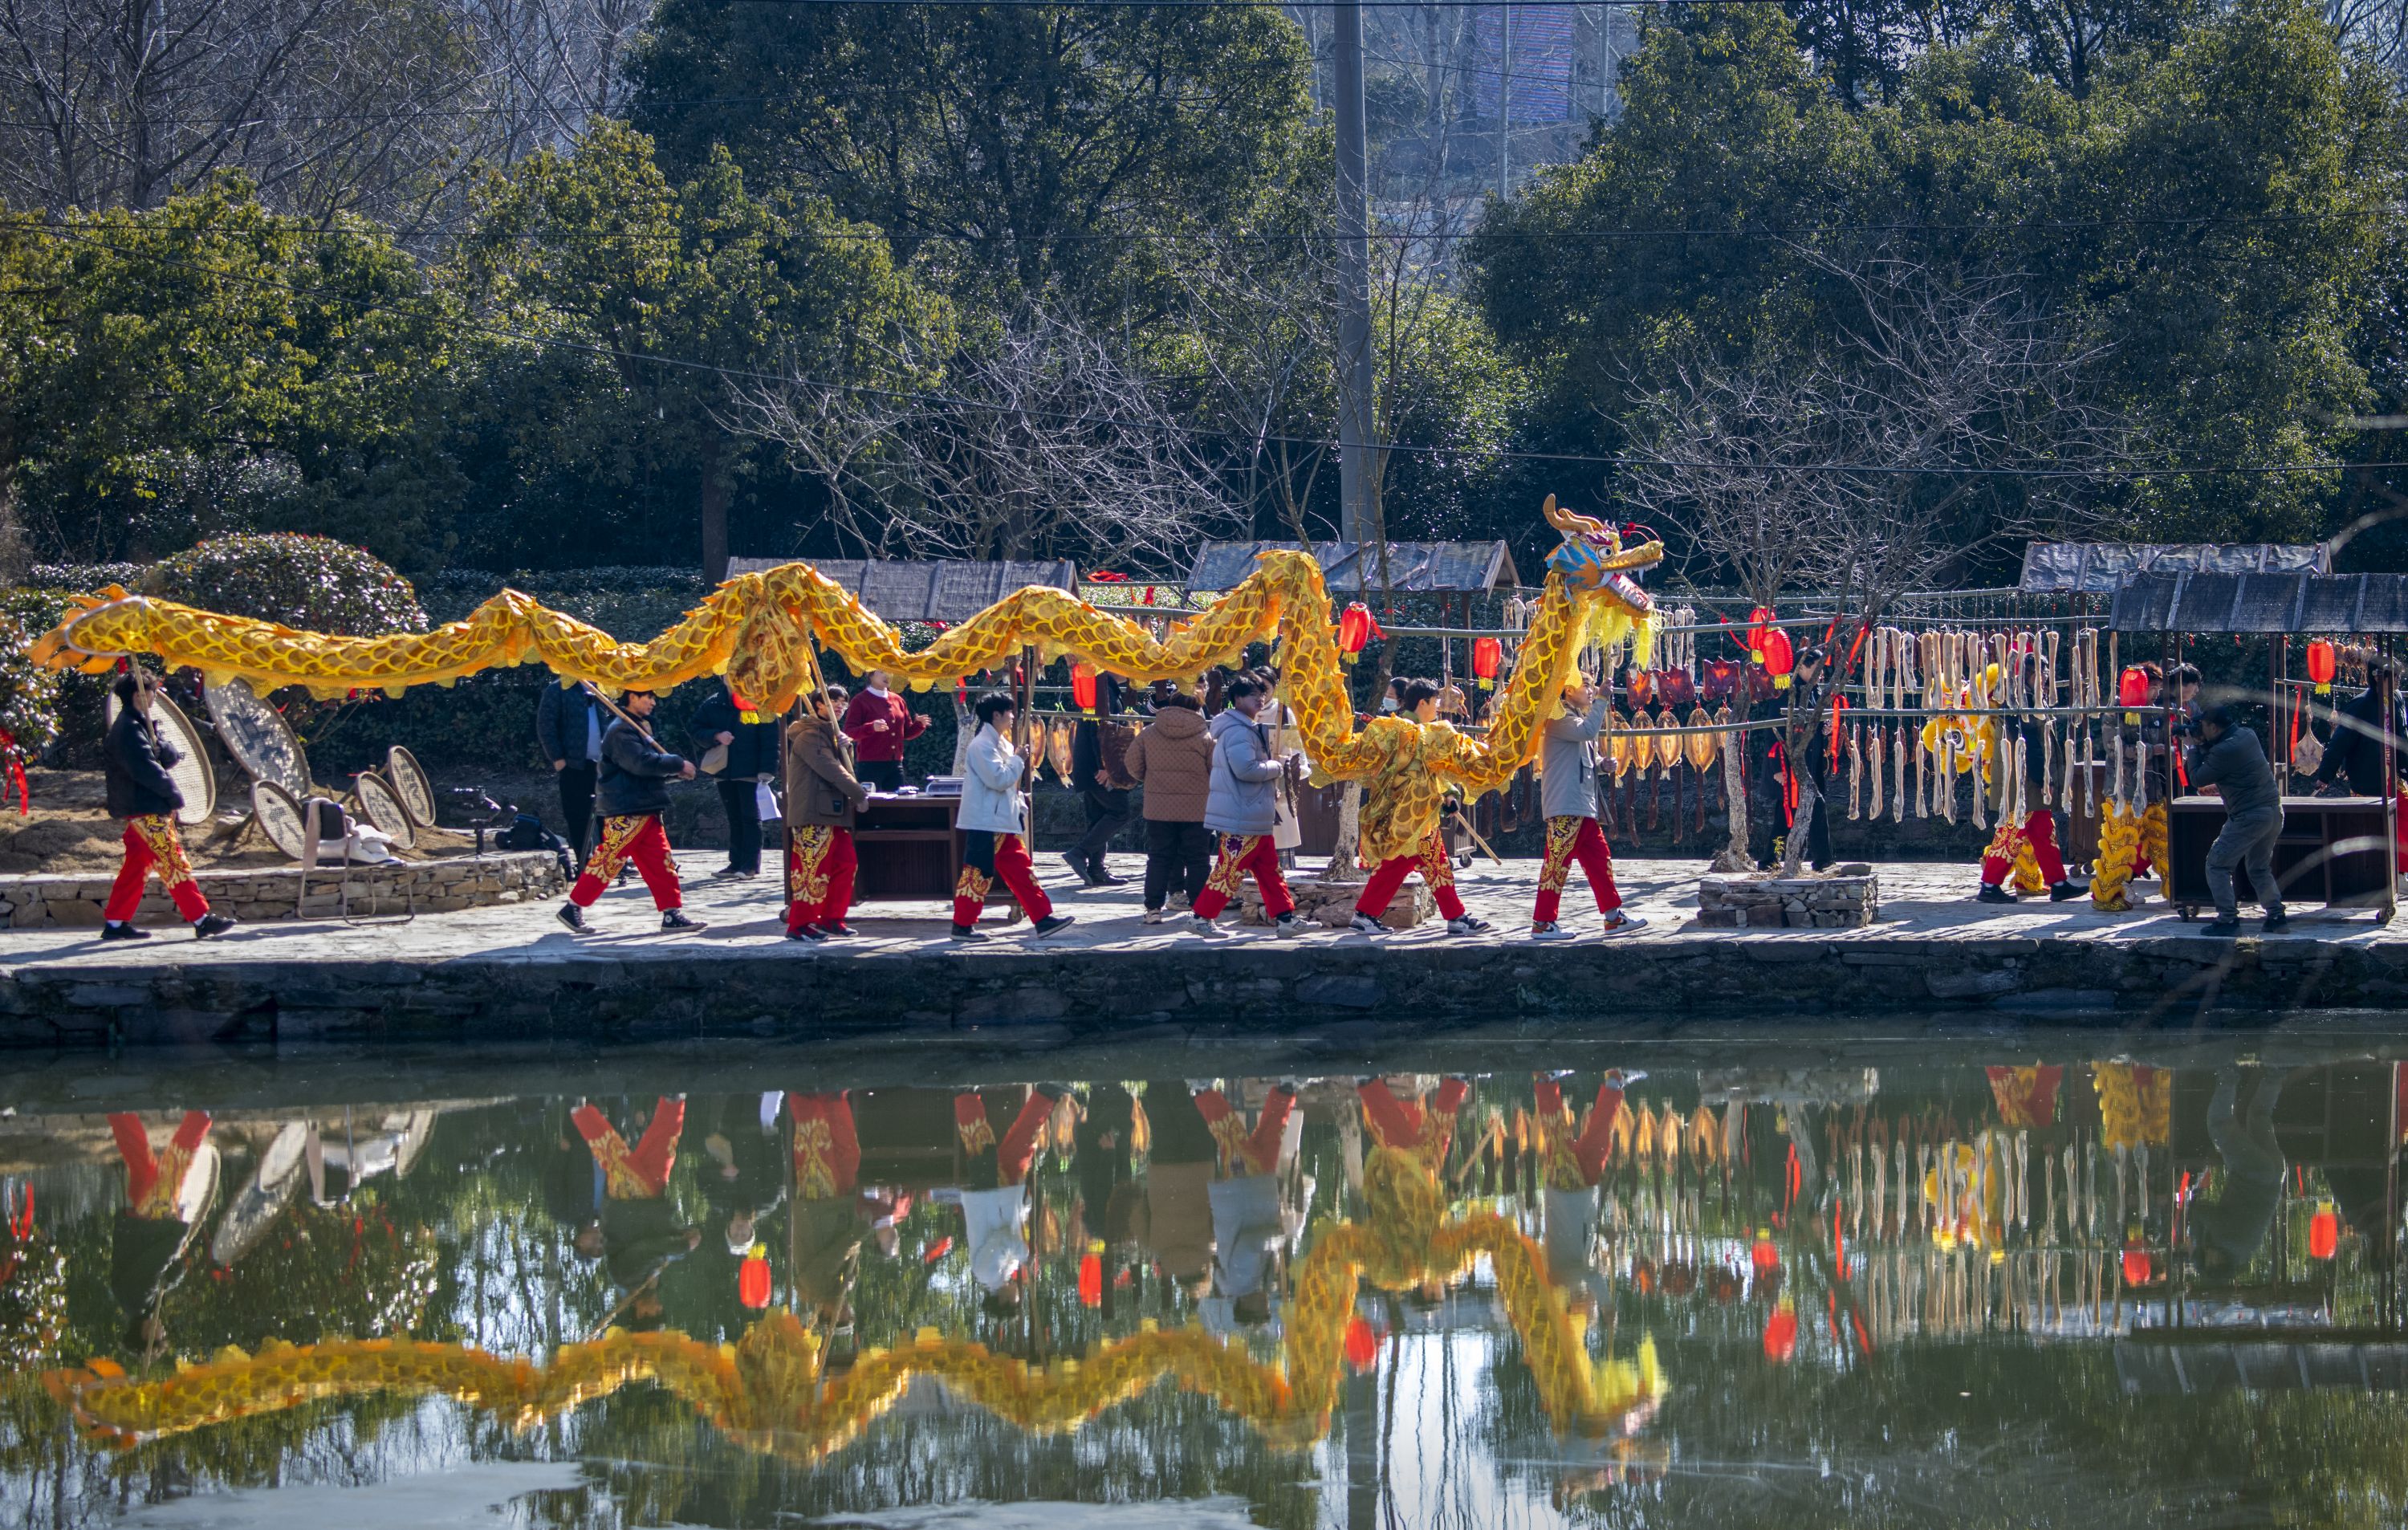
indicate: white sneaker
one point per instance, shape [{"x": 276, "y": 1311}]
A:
[
  {"x": 1204, "y": 927},
  {"x": 1618, "y": 922},
  {"x": 1287, "y": 926},
  {"x": 1154, "y": 916},
  {"x": 1366, "y": 925},
  {"x": 1550, "y": 931},
  {"x": 1469, "y": 925}
]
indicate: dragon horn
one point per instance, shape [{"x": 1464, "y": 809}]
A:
[{"x": 1568, "y": 522}]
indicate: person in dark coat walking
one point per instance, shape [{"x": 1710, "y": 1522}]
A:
[
  {"x": 142, "y": 792},
  {"x": 2233, "y": 762},
  {"x": 1099, "y": 755},
  {"x": 727, "y": 721},
  {"x": 632, "y": 792},
  {"x": 569, "y": 722}
]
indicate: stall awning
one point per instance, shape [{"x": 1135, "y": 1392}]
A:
[
  {"x": 927, "y": 592},
  {"x": 2101, "y": 568},
  {"x": 1414, "y": 567},
  {"x": 2270, "y": 603}
]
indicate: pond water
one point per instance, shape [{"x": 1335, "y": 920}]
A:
[{"x": 2025, "y": 1281}]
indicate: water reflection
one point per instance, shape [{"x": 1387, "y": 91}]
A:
[{"x": 1708, "y": 1294}]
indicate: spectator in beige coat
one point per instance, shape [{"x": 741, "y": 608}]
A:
[{"x": 1172, "y": 759}]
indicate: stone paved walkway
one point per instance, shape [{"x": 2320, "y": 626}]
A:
[{"x": 1932, "y": 901}]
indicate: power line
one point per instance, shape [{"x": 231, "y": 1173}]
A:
[{"x": 736, "y": 373}]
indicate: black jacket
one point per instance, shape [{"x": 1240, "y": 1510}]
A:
[
  {"x": 560, "y": 722},
  {"x": 754, "y": 752},
  {"x": 635, "y": 774},
  {"x": 2235, "y": 765},
  {"x": 2354, "y": 752},
  {"x": 136, "y": 768}
]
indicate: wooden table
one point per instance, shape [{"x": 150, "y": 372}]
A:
[
  {"x": 909, "y": 852},
  {"x": 2334, "y": 850}
]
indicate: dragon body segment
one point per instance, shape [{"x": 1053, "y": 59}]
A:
[{"x": 757, "y": 630}]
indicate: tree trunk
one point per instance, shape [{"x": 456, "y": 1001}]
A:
[
  {"x": 1735, "y": 857},
  {"x": 712, "y": 504},
  {"x": 1346, "y": 850}
]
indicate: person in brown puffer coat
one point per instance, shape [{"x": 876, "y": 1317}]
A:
[{"x": 1172, "y": 759}]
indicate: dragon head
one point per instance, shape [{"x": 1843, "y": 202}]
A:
[{"x": 1592, "y": 557}]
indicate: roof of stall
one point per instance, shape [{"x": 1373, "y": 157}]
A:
[
  {"x": 2269, "y": 603},
  {"x": 927, "y": 592},
  {"x": 1414, "y": 567},
  {"x": 2101, "y": 568}
]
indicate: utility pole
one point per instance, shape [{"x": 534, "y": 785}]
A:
[
  {"x": 1505, "y": 101},
  {"x": 1357, "y": 487}
]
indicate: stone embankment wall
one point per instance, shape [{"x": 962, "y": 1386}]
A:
[
  {"x": 273, "y": 892},
  {"x": 1643, "y": 986}
]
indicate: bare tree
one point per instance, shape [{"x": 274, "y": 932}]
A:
[
  {"x": 1052, "y": 442},
  {"x": 1943, "y": 419}
]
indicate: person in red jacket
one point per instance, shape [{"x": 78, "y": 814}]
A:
[{"x": 880, "y": 725}]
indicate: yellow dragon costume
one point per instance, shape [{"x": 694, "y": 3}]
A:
[
  {"x": 771, "y": 1393},
  {"x": 758, "y": 630}
]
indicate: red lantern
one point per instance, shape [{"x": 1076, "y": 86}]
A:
[
  {"x": 1487, "y": 657},
  {"x": 2132, "y": 689},
  {"x": 1766, "y": 1255},
  {"x": 1759, "y": 622},
  {"x": 2320, "y": 665},
  {"x": 2323, "y": 1232},
  {"x": 1091, "y": 1276},
  {"x": 1779, "y": 657},
  {"x": 1362, "y": 1343},
  {"x": 1355, "y": 629},
  {"x": 2138, "y": 1266},
  {"x": 752, "y": 1279},
  {"x": 1082, "y": 686},
  {"x": 1781, "y": 1331}
]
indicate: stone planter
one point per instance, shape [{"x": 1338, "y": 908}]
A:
[
  {"x": 1846, "y": 898},
  {"x": 255, "y": 895}
]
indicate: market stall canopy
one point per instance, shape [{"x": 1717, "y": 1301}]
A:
[
  {"x": 926, "y": 592},
  {"x": 2271, "y": 603},
  {"x": 2101, "y": 568},
  {"x": 1413, "y": 567}
]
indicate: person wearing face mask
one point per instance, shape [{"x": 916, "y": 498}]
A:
[
  {"x": 1242, "y": 810},
  {"x": 1568, "y": 792},
  {"x": 1429, "y": 856},
  {"x": 880, "y": 725}
]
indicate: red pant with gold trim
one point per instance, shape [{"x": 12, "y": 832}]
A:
[
  {"x": 1438, "y": 872},
  {"x": 151, "y": 844},
  {"x": 986, "y": 858},
  {"x": 1575, "y": 1163},
  {"x": 827, "y": 1151},
  {"x": 1241, "y": 854},
  {"x": 154, "y": 1180},
  {"x": 1571, "y": 839},
  {"x": 639, "y": 838},
  {"x": 2040, "y": 828},
  {"x": 1012, "y": 1156},
  {"x": 819, "y": 874},
  {"x": 640, "y": 1173},
  {"x": 1244, "y": 1152},
  {"x": 1407, "y": 1127}
]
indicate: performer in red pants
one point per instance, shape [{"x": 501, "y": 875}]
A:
[
  {"x": 1243, "y": 855},
  {"x": 2038, "y": 828},
  {"x": 1438, "y": 872},
  {"x": 995, "y": 1192},
  {"x": 1241, "y": 1151},
  {"x": 142, "y": 792},
  {"x": 641, "y": 1173},
  {"x": 1426, "y": 1131},
  {"x": 1577, "y": 841},
  {"x": 1575, "y": 1161},
  {"x": 632, "y": 790},
  {"x": 151, "y": 1232},
  {"x": 153, "y": 1182}
]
